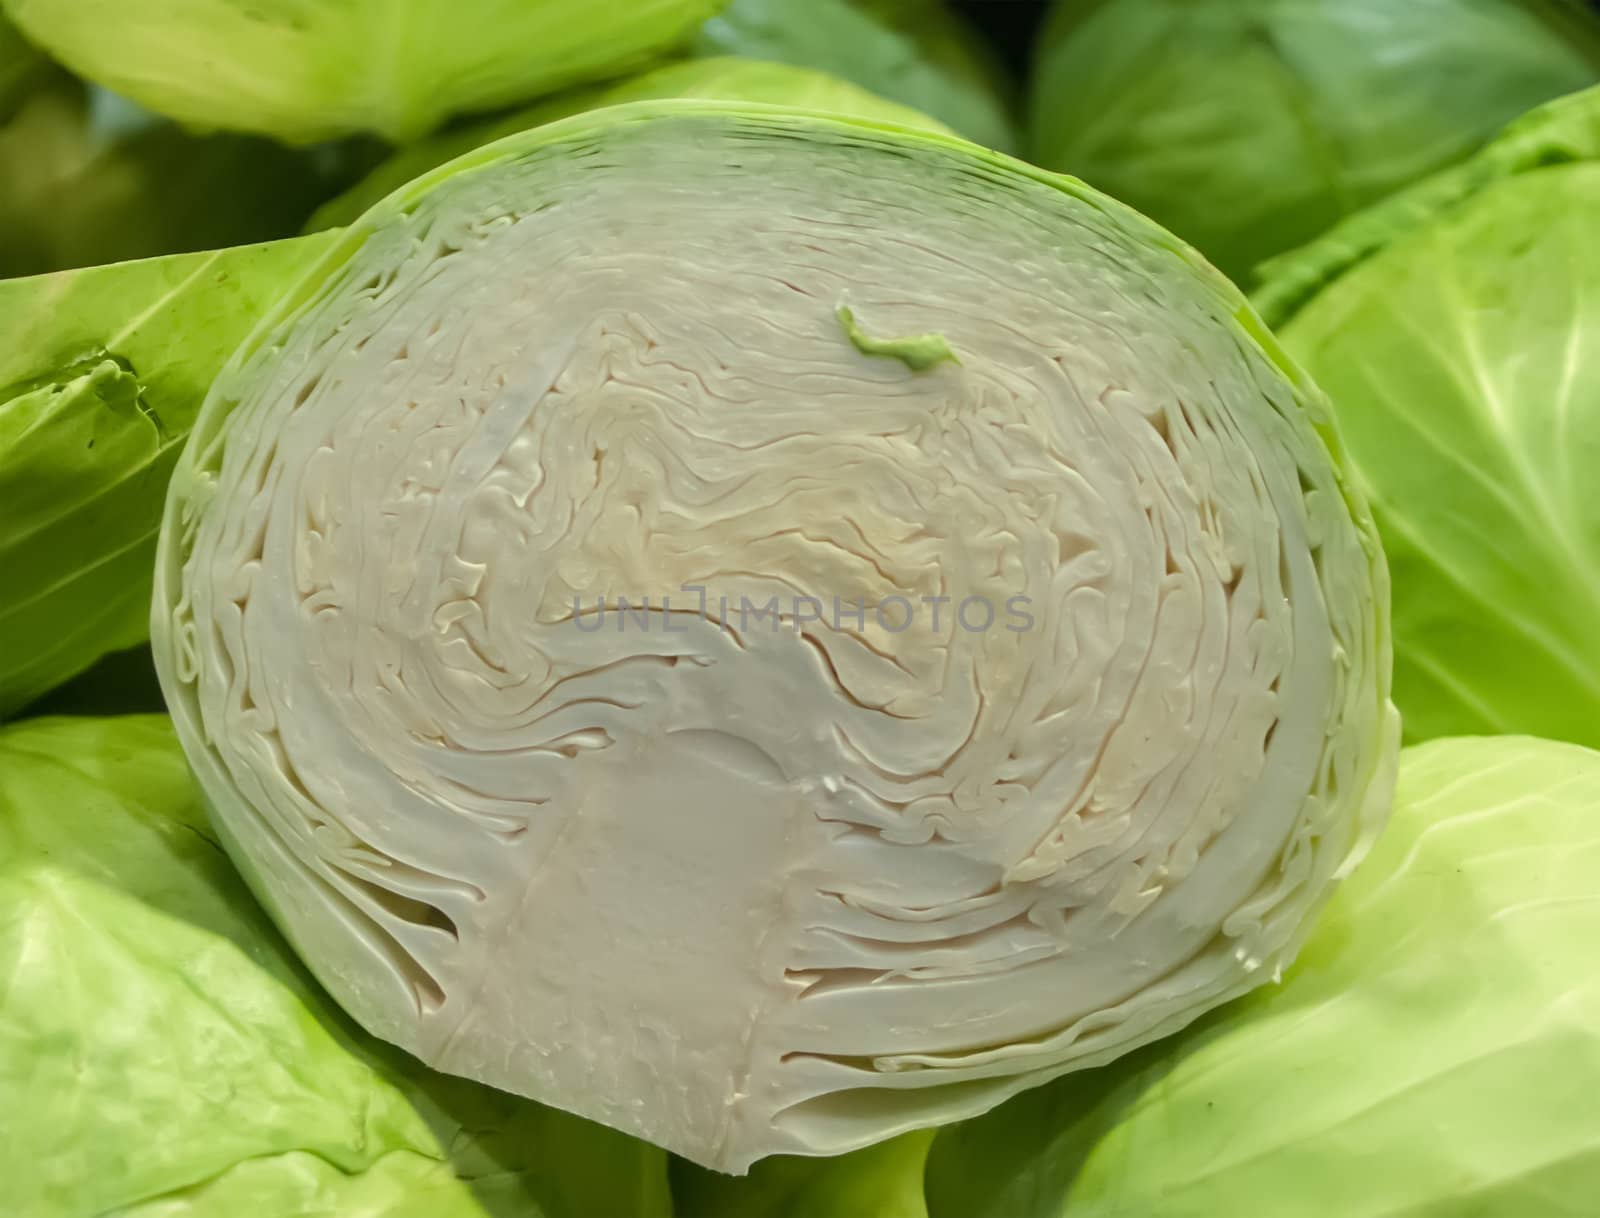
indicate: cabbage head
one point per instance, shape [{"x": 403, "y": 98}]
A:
[
  {"x": 163, "y": 1054},
  {"x": 1457, "y": 329},
  {"x": 1434, "y": 1052},
  {"x": 1250, "y": 126},
  {"x": 305, "y": 70},
  {"x": 1004, "y": 679}
]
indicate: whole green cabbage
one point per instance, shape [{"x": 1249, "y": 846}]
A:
[
  {"x": 1250, "y": 126},
  {"x": 1457, "y": 329}
]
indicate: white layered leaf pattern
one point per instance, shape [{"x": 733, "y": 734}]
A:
[{"x": 795, "y": 884}]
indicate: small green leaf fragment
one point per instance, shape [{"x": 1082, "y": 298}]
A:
[{"x": 919, "y": 352}]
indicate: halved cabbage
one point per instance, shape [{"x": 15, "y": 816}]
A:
[{"x": 1063, "y": 700}]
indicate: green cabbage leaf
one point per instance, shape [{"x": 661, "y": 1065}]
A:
[
  {"x": 172, "y": 1059},
  {"x": 102, "y": 372},
  {"x": 1455, "y": 328},
  {"x": 308, "y": 70},
  {"x": 1250, "y": 126}
]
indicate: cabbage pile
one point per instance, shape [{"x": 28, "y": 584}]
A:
[{"x": 612, "y": 611}]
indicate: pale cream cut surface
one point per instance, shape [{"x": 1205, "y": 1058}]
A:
[{"x": 744, "y": 891}]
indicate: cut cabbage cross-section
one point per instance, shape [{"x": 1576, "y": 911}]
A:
[{"x": 1013, "y": 681}]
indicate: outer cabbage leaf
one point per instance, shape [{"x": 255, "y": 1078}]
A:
[
  {"x": 304, "y": 70},
  {"x": 1455, "y": 329},
  {"x": 171, "y": 1058},
  {"x": 1250, "y": 126},
  {"x": 1434, "y": 1053},
  {"x": 726, "y": 78},
  {"x": 921, "y": 55},
  {"x": 102, "y": 372},
  {"x": 773, "y": 352}
]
